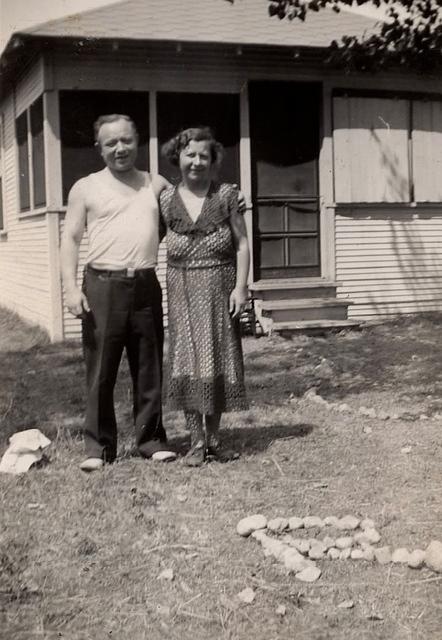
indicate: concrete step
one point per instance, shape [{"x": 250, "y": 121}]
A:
[
  {"x": 288, "y": 289},
  {"x": 303, "y": 309},
  {"x": 313, "y": 326}
]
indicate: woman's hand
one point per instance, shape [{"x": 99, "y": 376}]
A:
[
  {"x": 242, "y": 204},
  {"x": 237, "y": 300}
]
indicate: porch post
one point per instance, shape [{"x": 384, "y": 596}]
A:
[
  {"x": 326, "y": 178},
  {"x": 54, "y": 199},
  {"x": 153, "y": 133},
  {"x": 246, "y": 168}
]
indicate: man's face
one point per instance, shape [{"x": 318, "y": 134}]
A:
[{"x": 118, "y": 144}]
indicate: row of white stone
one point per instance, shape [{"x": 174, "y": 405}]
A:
[
  {"x": 298, "y": 555},
  {"x": 347, "y": 523}
]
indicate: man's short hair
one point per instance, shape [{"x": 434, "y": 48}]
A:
[{"x": 112, "y": 117}]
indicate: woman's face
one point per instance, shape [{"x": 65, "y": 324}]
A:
[{"x": 196, "y": 161}]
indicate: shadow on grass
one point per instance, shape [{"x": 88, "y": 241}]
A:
[
  {"x": 45, "y": 384},
  {"x": 248, "y": 439},
  {"x": 401, "y": 355}
]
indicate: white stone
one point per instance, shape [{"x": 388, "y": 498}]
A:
[
  {"x": 259, "y": 534},
  {"x": 296, "y": 523},
  {"x": 277, "y": 548},
  {"x": 246, "y": 526},
  {"x": 368, "y": 536},
  {"x": 313, "y": 521},
  {"x": 368, "y": 553},
  {"x": 346, "y": 604},
  {"x": 356, "y": 554},
  {"x": 367, "y": 523},
  {"x": 416, "y": 559},
  {"x": 433, "y": 556},
  {"x": 348, "y": 523},
  {"x": 278, "y": 524},
  {"x": 400, "y": 556},
  {"x": 294, "y": 561},
  {"x": 303, "y": 546},
  {"x": 166, "y": 574},
  {"x": 333, "y": 553},
  {"x": 318, "y": 399},
  {"x": 345, "y": 542},
  {"x": 247, "y": 595},
  {"x": 328, "y": 542},
  {"x": 316, "y": 552},
  {"x": 344, "y": 554},
  {"x": 383, "y": 555},
  {"x": 281, "y": 610},
  {"x": 331, "y": 521},
  {"x": 311, "y": 574},
  {"x": 343, "y": 408},
  {"x": 292, "y": 542}
]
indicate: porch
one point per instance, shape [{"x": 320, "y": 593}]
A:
[{"x": 341, "y": 175}]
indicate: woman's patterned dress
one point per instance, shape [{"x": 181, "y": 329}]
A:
[{"x": 205, "y": 371}]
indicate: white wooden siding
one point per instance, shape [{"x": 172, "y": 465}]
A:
[
  {"x": 427, "y": 150},
  {"x": 72, "y": 326},
  {"x": 370, "y": 142},
  {"x": 24, "y": 249},
  {"x": 389, "y": 262}
]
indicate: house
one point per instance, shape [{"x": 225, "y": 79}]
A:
[{"x": 342, "y": 172}]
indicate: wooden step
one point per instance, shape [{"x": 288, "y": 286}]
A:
[
  {"x": 303, "y": 309},
  {"x": 291, "y": 283},
  {"x": 289, "y": 289},
  {"x": 313, "y": 326},
  {"x": 303, "y": 303}
]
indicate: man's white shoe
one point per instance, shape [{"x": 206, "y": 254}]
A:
[
  {"x": 92, "y": 464},
  {"x": 164, "y": 456}
]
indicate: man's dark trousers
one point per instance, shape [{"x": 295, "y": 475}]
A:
[{"x": 125, "y": 313}]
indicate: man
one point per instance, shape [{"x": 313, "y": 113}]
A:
[{"x": 120, "y": 301}]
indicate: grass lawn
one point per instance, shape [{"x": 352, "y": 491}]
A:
[{"x": 80, "y": 556}]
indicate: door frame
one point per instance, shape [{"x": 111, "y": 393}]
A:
[{"x": 325, "y": 179}]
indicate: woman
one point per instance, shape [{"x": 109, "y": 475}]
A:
[{"x": 208, "y": 263}]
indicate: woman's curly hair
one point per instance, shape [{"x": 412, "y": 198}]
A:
[{"x": 173, "y": 147}]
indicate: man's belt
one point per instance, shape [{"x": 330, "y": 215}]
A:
[{"x": 119, "y": 273}]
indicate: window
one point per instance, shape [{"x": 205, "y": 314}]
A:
[
  {"x": 21, "y": 130},
  {"x": 31, "y": 156},
  {"x": 78, "y": 112},
  {"x": 38, "y": 153},
  {"x": 427, "y": 150},
  {"x": 220, "y": 112},
  {"x": 387, "y": 149}
]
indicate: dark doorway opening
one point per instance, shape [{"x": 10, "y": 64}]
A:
[{"x": 285, "y": 142}]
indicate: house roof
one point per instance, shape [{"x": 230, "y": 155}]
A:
[{"x": 208, "y": 21}]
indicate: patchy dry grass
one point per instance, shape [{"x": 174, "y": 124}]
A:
[{"x": 80, "y": 555}]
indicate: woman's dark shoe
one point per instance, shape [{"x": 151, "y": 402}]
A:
[
  {"x": 221, "y": 454},
  {"x": 196, "y": 456}
]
